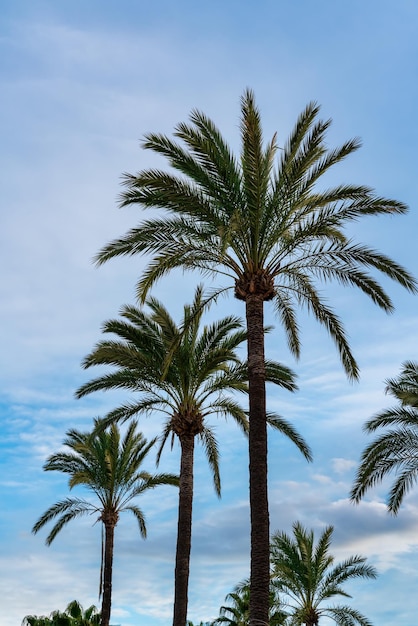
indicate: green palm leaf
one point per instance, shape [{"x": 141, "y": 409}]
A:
[{"x": 396, "y": 450}]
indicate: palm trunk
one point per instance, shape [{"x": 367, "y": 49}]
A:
[
  {"x": 107, "y": 572},
  {"x": 184, "y": 531},
  {"x": 259, "y": 511}
]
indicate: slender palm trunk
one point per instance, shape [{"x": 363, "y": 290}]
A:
[
  {"x": 184, "y": 531},
  {"x": 107, "y": 572},
  {"x": 260, "y": 525}
]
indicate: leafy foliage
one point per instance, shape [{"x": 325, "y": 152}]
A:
[
  {"x": 237, "y": 611},
  {"x": 109, "y": 467},
  {"x": 74, "y": 615},
  {"x": 396, "y": 450},
  {"x": 305, "y": 577},
  {"x": 258, "y": 218}
]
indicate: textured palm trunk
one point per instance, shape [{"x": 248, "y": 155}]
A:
[
  {"x": 107, "y": 573},
  {"x": 184, "y": 531},
  {"x": 311, "y": 617},
  {"x": 260, "y": 525}
]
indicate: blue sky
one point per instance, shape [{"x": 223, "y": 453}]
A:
[{"x": 81, "y": 82}]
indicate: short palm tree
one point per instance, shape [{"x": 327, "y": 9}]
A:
[
  {"x": 306, "y": 578},
  {"x": 83, "y": 617},
  {"x": 184, "y": 372},
  {"x": 74, "y": 615},
  {"x": 396, "y": 450},
  {"x": 237, "y": 612},
  {"x": 109, "y": 466},
  {"x": 266, "y": 224}
]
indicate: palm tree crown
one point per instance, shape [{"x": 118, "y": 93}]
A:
[
  {"x": 110, "y": 467},
  {"x": 74, "y": 615},
  {"x": 181, "y": 371},
  {"x": 263, "y": 222},
  {"x": 237, "y": 611},
  {"x": 305, "y": 576},
  {"x": 396, "y": 450}
]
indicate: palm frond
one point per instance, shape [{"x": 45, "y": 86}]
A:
[
  {"x": 140, "y": 518},
  {"x": 286, "y": 428},
  {"x": 396, "y": 450},
  {"x": 212, "y": 454},
  {"x": 346, "y": 616},
  {"x": 67, "y": 509}
]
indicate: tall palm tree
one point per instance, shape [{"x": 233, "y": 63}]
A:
[
  {"x": 306, "y": 578},
  {"x": 396, "y": 450},
  {"x": 266, "y": 224},
  {"x": 110, "y": 467},
  {"x": 186, "y": 388}
]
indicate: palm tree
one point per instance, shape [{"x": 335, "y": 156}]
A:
[
  {"x": 265, "y": 224},
  {"x": 83, "y": 617},
  {"x": 306, "y": 576},
  {"x": 237, "y": 613},
  {"x": 110, "y": 467},
  {"x": 396, "y": 450},
  {"x": 186, "y": 388},
  {"x": 74, "y": 615}
]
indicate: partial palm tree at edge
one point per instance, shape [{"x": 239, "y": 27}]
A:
[
  {"x": 396, "y": 450},
  {"x": 263, "y": 222}
]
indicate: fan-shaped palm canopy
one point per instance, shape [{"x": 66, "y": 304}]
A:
[
  {"x": 306, "y": 578},
  {"x": 109, "y": 466},
  {"x": 262, "y": 218},
  {"x": 237, "y": 611},
  {"x": 74, "y": 615},
  {"x": 182, "y": 371}
]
